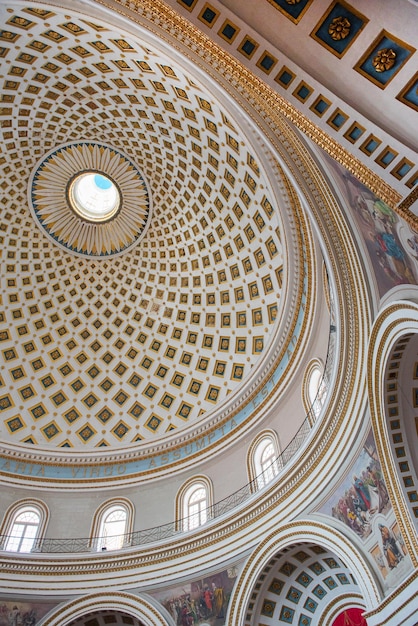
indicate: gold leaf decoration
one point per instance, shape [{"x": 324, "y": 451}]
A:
[
  {"x": 384, "y": 60},
  {"x": 339, "y": 28},
  {"x": 53, "y": 212}
]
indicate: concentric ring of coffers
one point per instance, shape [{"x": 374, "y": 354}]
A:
[{"x": 155, "y": 338}]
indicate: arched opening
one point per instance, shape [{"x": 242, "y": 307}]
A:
[
  {"x": 317, "y": 391},
  {"x": 104, "y": 618},
  {"x": 299, "y": 584},
  {"x": 23, "y": 531},
  {"x": 112, "y": 529},
  {"x": 23, "y": 525},
  {"x": 112, "y": 524},
  {"x": 193, "y": 502},
  {"x": 264, "y": 461},
  {"x": 195, "y": 506}
]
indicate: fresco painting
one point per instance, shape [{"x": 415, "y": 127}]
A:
[
  {"x": 390, "y": 242},
  {"x": 202, "y": 602},
  {"x": 363, "y": 493},
  {"x": 361, "y": 502},
  {"x": 18, "y": 613}
]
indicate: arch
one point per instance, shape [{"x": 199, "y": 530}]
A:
[
  {"x": 342, "y": 603},
  {"x": 112, "y": 524},
  {"x": 263, "y": 459},
  {"x": 302, "y": 532},
  {"x": 142, "y": 607},
  {"x": 395, "y": 325},
  {"x": 193, "y": 502},
  {"x": 314, "y": 389},
  {"x": 23, "y": 524}
]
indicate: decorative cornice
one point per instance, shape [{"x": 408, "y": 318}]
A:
[
  {"x": 193, "y": 42},
  {"x": 404, "y": 208},
  {"x": 391, "y": 597},
  {"x": 394, "y": 319}
]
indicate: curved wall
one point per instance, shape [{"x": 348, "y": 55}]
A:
[{"x": 258, "y": 529}]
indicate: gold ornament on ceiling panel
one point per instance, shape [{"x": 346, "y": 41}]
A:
[
  {"x": 112, "y": 349},
  {"x": 384, "y": 60},
  {"x": 73, "y": 212},
  {"x": 339, "y": 28}
]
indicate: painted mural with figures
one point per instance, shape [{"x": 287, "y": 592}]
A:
[
  {"x": 202, "y": 602},
  {"x": 362, "y": 504},
  {"x": 14, "y": 613},
  {"x": 391, "y": 243}
]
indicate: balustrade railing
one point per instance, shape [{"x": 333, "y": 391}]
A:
[{"x": 234, "y": 500}]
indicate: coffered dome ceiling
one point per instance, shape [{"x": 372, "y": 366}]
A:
[{"x": 104, "y": 350}]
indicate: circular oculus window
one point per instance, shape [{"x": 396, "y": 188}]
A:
[
  {"x": 90, "y": 199},
  {"x": 94, "y": 196}
]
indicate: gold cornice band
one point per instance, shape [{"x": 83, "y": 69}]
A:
[
  {"x": 404, "y": 208},
  {"x": 389, "y": 599},
  {"x": 376, "y": 366},
  {"x": 266, "y": 97}
]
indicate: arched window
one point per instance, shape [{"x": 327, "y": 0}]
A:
[
  {"x": 23, "y": 524},
  {"x": 317, "y": 391},
  {"x": 193, "y": 502},
  {"x": 23, "y": 532},
  {"x": 267, "y": 462},
  {"x": 195, "y": 506},
  {"x": 314, "y": 390},
  {"x": 112, "y": 525},
  {"x": 113, "y": 529},
  {"x": 264, "y": 461}
]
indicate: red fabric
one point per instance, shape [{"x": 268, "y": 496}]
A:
[{"x": 350, "y": 617}]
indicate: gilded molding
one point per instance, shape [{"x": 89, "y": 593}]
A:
[
  {"x": 389, "y": 599},
  {"x": 404, "y": 208},
  {"x": 376, "y": 364},
  {"x": 332, "y": 612},
  {"x": 257, "y": 90}
]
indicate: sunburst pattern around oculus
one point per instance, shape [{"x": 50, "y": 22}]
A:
[{"x": 50, "y": 200}]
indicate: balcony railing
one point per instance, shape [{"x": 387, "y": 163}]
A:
[{"x": 234, "y": 500}]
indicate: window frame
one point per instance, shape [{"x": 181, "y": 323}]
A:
[
  {"x": 261, "y": 474},
  {"x": 314, "y": 405},
  {"x": 107, "y": 508},
  {"x": 185, "y": 493},
  {"x": 11, "y": 516}
]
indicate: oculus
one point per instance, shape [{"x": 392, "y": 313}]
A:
[
  {"x": 90, "y": 199},
  {"x": 94, "y": 197}
]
